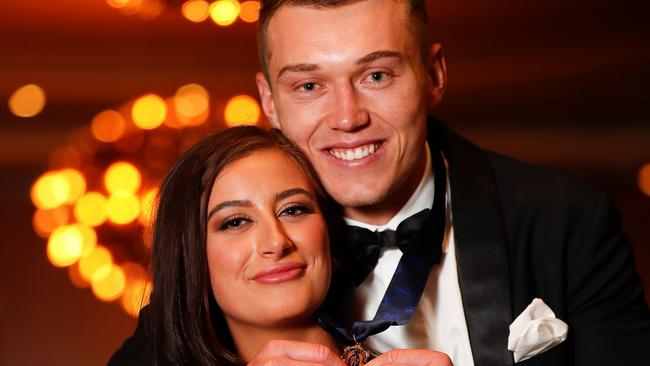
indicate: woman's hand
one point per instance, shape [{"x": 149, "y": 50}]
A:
[
  {"x": 411, "y": 357},
  {"x": 292, "y": 353}
]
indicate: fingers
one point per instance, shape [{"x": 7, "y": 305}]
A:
[
  {"x": 411, "y": 357},
  {"x": 295, "y": 353}
]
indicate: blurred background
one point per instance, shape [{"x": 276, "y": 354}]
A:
[{"x": 98, "y": 98}]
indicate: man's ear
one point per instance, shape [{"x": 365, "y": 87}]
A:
[
  {"x": 264, "y": 88},
  {"x": 437, "y": 69}
]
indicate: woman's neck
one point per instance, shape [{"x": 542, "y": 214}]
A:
[{"x": 249, "y": 339}]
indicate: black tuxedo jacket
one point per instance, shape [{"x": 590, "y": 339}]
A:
[{"x": 523, "y": 232}]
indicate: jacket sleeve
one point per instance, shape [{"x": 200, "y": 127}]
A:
[
  {"x": 135, "y": 350},
  {"x": 607, "y": 310}
]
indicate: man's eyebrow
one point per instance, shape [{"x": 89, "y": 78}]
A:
[
  {"x": 377, "y": 55},
  {"x": 298, "y": 68},
  {"x": 225, "y": 204},
  {"x": 292, "y": 192}
]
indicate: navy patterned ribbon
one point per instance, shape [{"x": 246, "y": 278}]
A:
[{"x": 422, "y": 250}]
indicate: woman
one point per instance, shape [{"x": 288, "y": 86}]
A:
[
  {"x": 240, "y": 250},
  {"x": 241, "y": 257}
]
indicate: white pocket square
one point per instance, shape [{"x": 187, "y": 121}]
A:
[{"x": 535, "y": 331}]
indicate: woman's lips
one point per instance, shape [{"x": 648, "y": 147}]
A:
[{"x": 279, "y": 273}]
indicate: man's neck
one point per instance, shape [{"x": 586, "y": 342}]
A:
[
  {"x": 249, "y": 339},
  {"x": 381, "y": 213}
]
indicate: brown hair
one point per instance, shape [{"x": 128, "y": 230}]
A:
[
  {"x": 187, "y": 326},
  {"x": 417, "y": 9}
]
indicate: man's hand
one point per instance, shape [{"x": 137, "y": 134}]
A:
[
  {"x": 292, "y": 353},
  {"x": 411, "y": 357}
]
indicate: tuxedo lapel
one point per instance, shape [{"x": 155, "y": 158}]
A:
[{"x": 481, "y": 247}]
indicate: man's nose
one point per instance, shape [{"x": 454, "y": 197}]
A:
[
  {"x": 349, "y": 114},
  {"x": 274, "y": 241}
]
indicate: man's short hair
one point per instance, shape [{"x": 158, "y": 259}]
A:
[{"x": 417, "y": 9}]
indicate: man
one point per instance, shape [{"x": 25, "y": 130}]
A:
[{"x": 352, "y": 83}]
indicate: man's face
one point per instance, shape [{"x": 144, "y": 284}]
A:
[{"x": 348, "y": 85}]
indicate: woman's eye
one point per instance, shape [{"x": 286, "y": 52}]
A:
[
  {"x": 296, "y": 210},
  {"x": 233, "y": 224}
]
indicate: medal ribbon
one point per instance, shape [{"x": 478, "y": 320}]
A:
[{"x": 403, "y": 294}]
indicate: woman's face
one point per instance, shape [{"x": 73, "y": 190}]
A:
[{"x": 267, "y": 242}]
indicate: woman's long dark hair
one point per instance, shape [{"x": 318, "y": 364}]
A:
[{"x": 187, "y": 326}]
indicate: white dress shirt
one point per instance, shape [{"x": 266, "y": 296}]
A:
[{"x": 438, "y": 322}]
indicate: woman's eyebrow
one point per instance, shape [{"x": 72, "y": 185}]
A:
[
  {"x": 292, "y": 192},
  {"x": 224, "y": 204}
]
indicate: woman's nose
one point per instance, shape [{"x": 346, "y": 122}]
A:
[{"x": 274, "y": 240}]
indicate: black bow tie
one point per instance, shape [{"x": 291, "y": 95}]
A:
[{"x": 365, "y": 246}]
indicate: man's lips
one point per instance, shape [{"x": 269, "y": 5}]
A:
[
  {"x": 351, "y": 153},
  {"x": 280, "y": 273}
]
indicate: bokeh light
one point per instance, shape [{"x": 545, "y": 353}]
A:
[
  {"x": 224, "y": 12},
  {"x": 196, "y": 10},
  {"x": 150, "y": 9},
  {"x": 118, "y": 3},
  {"x": 108, "y": 282},
  {"x": 50, "y": 190},
  {"x": 249, "y": 11},
  {"x": 108, "y": 126},
  {"x": 192, "y": 104},
  {"x": 75, "y": 276},
  {"x": 27, "y": 101},
  {"x": 148, "y": 202},
  {"x": 122, "y": 177},
  {"x": 122, "y": 208},
  {"x": 68, "y": 243},
  {"x": 76, "y": 182},
  {"x": 45, "y": 221},
  {"x": 138, "y": 288},
  {"x": 90, "y": 209},
  {"x": 149, "y": 111},
  {"x": 242, "y": 110},
  {"x": 644, "y": 179},
  {"x": 91, "y": 262}
]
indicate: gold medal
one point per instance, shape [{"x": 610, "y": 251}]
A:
[{"x": 355, "y": 355}]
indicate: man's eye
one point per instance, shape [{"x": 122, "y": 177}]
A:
[
  {"x": 308, "y": 87},
  {"x": 378, "y": 76},
  {"x": 233, "y": 224}
]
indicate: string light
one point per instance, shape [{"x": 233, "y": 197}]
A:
[
  {"x": 105, "y": 179},
  {"x": 249, "y": 11},
  {"x": 27, "y": 101},
  {"x": 224, "y": 12},
  {"x": 242, "y": 110},
  {"x": 644, "y": 179},
  {"x": 196, "y": 10}
]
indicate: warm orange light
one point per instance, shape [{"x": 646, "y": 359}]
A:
[
  {"x": 27, "y": 101},
  {"x": 75, "y": 276},
  {"x": 108, "y": 282},
  {"x": 50, "y": 190},
  {"x": 148, "y": 202},
  {"x": 242, "y": 110},
  {"x": 192, "y": 103},
  {"x": 224, "y": 12},
  {"x": 644, "y": 179},
  {"x": 149, "y": 111},
  {"x": 46, "y": 221},
  {"x": 122, "y": 208},
  {"x": 196, "y": 10},
  {"x": 138, "y": 288},
  {"x": 90, "y": 209},
  {"x": 122, "y": 177},
  {"x": 151, "y": 9},
  {"x": 77, "y": 184},
  {"x": 91, "y": 262},
  {"x": 118, "y": 3},
  {"x": 68, "y": 243},
  {"x": 108, "y": 126},
  {"x": 249, "y": 11}
]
